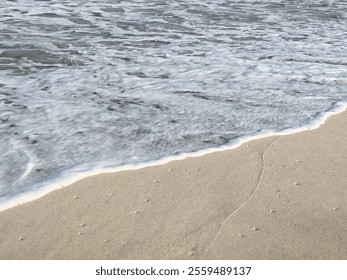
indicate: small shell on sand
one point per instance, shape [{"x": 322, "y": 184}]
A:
[
  {"x": 272, "y": 211},
  {"x": 187, "y": 173},
  {"x": 256, "y": 228},
  {"x": 296, "y": 184},
  {"x": 21, "y": 238},
  {"x": 75, "y": 197},
  {"x": 83, "y": 225},
  {"x": 197, "y": 169},
  {"x": 241, "y": 235},
  {"x": 146, "y": 200},
  {"x": 298, "y": 160},
  {"x": 136, "y": 212},
  {"x": 80, "y": 233},
  {"x": 155, "y": 181},
  {"x": 110, "y": 194},
  {"x": 335, "y": 208},
  {"x": 170, "y": 169},
  {"x": 191, "y": 253},
  {"x": 106, "y": 240}
]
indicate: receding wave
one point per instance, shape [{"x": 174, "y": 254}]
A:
[{"x": 108, "y": 83}]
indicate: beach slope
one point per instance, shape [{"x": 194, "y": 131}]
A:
[{"x": 279, "y": 197}]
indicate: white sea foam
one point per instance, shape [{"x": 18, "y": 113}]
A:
[
  {"x": 87, "y": 87},
  {"x": 80, "y": 173}
]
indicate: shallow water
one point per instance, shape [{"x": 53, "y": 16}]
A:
[{"x": 85, "y": 84}]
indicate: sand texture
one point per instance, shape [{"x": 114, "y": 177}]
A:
[{"x": 280, "y": 197}]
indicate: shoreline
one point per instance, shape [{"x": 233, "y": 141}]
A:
[
  {"x": 278, "y": 197},
  {"x": 65, "y": 181}
]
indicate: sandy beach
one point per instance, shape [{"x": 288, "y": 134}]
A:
[{"x": 280, "y": 197}]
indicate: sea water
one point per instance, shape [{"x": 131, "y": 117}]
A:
[{"x": 100, "y": 84}]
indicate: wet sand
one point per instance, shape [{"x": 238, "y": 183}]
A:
[{"x": 280, "y": 197}]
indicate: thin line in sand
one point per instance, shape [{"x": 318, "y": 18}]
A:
[{"x": 244, "y": 203}]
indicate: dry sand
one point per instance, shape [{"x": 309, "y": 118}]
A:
[{"x": 273, "y": 198}]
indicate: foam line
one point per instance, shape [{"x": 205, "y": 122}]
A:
[{"x": 64, "y": 182}]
